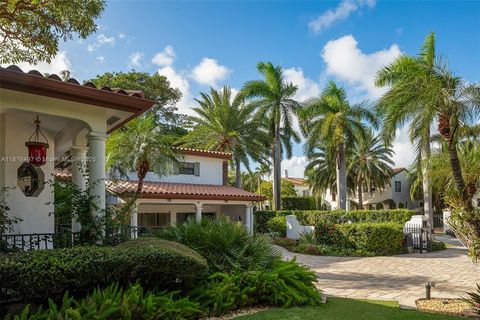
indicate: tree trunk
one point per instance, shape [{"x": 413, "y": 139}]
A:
[
  {"x": 238, "y": 176},
  {"x": 277, "y": 162},
  {"x": 341, "y": 178},
  {"x": 427, "y": 189},
  {"x": 360, "y": 193}
]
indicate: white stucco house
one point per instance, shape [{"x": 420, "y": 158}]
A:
[
  {"x": 74, "y": 121},
  {"x": 197, "y": 188},
  {"x": 395, "y": 195},
  {"x": 300, "y": 185}
]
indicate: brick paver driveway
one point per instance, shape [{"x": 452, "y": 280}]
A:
[{"x": 400, "y": 278}]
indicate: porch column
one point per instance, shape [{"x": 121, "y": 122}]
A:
[
  {"x": 248, "y": 218},
  {"x": 198, "y": 212},
  {"x": 79, "y": 171},
  {"x": 134, "y": 222},
  {"x": 96, "y": 144}
]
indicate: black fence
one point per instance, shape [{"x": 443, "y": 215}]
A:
[
  {"x": 66, "y": 239},
  {"x": 418, "y": 237},
  {"x": 438, "y": 220}
]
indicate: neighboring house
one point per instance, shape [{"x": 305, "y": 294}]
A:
[
  {"x": 394, "y": 195},
  {"x": 301, "y": 187},
  {"x": 197, "y": 188},
  {"x": 75, "y": 120}
]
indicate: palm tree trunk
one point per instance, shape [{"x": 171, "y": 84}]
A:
[
  {"x": 360, "y": 193},
  {"x": 238, "y": 176},
  {"x": 277, "y": 162},
  {"x": 426, "y": 181},
  {"x": 341, "y": 178}
]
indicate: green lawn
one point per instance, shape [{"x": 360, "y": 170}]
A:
[{"x": 348, "y": 309}]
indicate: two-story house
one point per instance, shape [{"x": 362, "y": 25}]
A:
[
  {"x": 395, "y": 195},
  {"x": 197, "y": 187}
]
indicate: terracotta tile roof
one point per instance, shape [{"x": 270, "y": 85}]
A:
[
  {"x": 396, "y": 171},
  {"x": 166, "y": 190},
  {"x": 205, "y": 153},
  {"x": 34, "y": 82},
  {"x": 296, "y": 181},
  {"x": 63, "y": 173}
]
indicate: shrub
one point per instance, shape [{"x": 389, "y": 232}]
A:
[
  {"x": 287, "y": 243},
  {"x": 155, "y": 264},
  {"x": 298, "y": 203},
  {"x": 116, "y": 303},
  {"x": 438, "y": 245},
  {"x": 278, "y": 225},
  {"x": 285, "y": 284},
  {"x": 474, "y": 300},
  {"x": 225, "y": 245},
  {"x": 383, "y": 238},
  {"x": 260, "y": 222}
]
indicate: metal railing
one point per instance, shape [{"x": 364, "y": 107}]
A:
[
  {"x": 438, "y": 220},
  {"x": 66, "y": 239},
  {"x": 417, "y": 237}
]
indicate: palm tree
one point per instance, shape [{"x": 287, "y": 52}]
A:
[
  {"x": 331, "y": 119},
  {"x": 422, "y": 91},
  {"x": 371, "y": 164},
  {"x": 273, "y": 98},
  {"x": 225, "y": 123},
  {"x": 139, "y": 147}
]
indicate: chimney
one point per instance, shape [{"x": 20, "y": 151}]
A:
[
  {"x": 286, "y": 174},
  {"x": 225, "y": 173}
]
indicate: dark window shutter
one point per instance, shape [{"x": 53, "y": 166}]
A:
[{"x": 196, "y": 169}]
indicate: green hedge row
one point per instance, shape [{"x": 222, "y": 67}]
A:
[
  {"x": 313, "y": 217},
  {"x": 154, "y": 263},
  {"x": 299, "y": 203}
]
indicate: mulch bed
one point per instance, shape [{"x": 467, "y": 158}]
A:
[{"x": 456, "y": 307}]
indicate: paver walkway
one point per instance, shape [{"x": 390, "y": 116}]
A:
[{"x": 401, "y": 277}]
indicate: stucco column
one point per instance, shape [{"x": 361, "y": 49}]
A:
[
  {"x": 96, "y": 144},
  {"x": 198, "y": 212},
  {"x": 248, "y": 218},
  {"x": 134, "y": 221},
  {"x": 79, "y": 172}
]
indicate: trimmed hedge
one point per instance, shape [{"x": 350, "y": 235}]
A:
[
  {"x": 315, "y": 217},
  {"x": 298, "y": 203},
  {"x": 154, "y": 263}
]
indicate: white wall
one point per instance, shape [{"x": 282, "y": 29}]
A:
[
  {"x": 299, "y": 189},
  {"x": 211, "y": 172},
  {"x": 34, "y": 211}
]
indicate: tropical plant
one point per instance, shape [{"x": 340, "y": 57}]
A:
[
  {"x": 370, "y": 164},
  {"x": 332, "y": 119},
  {"x": 226, "y": 245},
  {"x": 474, "y": 299},
  {"x": 225, "y": 123},
  {"x": 140, "y": 147},
  {"x": 30, "y": 30},
  {"x": 273, "y": 99}
]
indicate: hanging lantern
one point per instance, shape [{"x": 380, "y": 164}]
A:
[{"x": 37, "y": 146}]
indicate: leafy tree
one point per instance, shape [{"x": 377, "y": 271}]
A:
[
  {"x": 273, "y": 97},
  {"x": 370, "y": 164},
  {"x": 31, "y": 29},
  {"x": 155, "y": 87},
  {"x": 140, "y": 147},
  {"x": 331, "y": 118},
  {"x": 225, "y": 123},
  {"x": 288, "y": 189}
]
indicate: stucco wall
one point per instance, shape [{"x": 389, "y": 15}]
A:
[
  {"x": 34, "y": 211},
  {"x": 210, "y": 173}
]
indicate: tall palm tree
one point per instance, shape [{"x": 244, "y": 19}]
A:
[
  {"x": 331, "y": 119},
  {"x": 139, "y": 147},
  {"x": 274, "y": 100},
  {"x": 371, "y": 164},
  {"x": 225, "y": 123}
]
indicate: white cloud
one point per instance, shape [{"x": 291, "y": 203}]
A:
[
  {"x": 101, "y": 40},
  {"x": 403, "y": 148},
  {"x": 165, "y": 57},
  {"x": 100, "y": 59},
  {"x": 209, "y": 72},
  {"x": 341, "y": 12},
  {"x": 134, "y": 59},
  {"x": 177, "y": 80},
  {"x": 307, "y": 87},
  {"x": 295, "y": 166},
  {"x": 344, "y": 60},
  {"x": 59, "y": 63},
  {"x": 121, "y": 35}
]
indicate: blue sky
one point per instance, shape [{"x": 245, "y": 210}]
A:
[{"x": 202, "y": 44}]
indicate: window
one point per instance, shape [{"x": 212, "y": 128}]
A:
[
  {"x": 190, "y": 168},
  {"x": 398, "y": 186},
  {"x": 365, "y": 188},
  {"x": 306, "y": 193}
]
